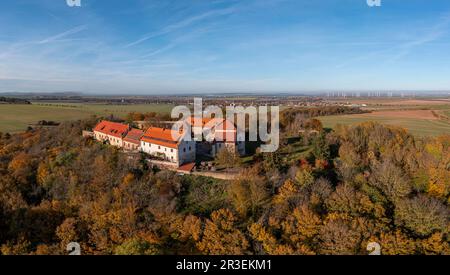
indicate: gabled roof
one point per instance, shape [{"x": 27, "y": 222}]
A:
[
  {"x": 223, "y": 129},
  {"x": 225, "y": 125},
  {"x": 112, "y": 128},
  {"x": 195, "y": 121},
  {"x": 134, "y": 136},
  {"x": 163, "y": 137},
  {"x": 222, "y": 123}
]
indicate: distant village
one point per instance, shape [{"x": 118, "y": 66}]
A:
[{"x": 171, "y": 148}]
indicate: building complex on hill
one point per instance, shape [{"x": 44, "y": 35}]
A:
[
  {"x": 132, "y": 141},
  {"x": 111, "y": 132},
  {"x": 220, "y": 133},
  {"x": 170, "y": 145}
]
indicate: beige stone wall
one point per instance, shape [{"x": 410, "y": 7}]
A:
[
  {"x": 129, "y": 146},
  {"x": 114, "y": 141},
  {"x": 170, "y": 154}
]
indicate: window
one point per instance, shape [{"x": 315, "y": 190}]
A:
[
  {"x": 171, "y": 150},
  {"x": 184, "y": 150},
  {"x": 159, "y": 147},
  {"x": 190, "y": 148}
]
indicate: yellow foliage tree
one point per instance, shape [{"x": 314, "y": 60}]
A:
[{"x": 220, "y": 237}]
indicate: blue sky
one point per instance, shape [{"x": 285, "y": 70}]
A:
[{"x": 217, "y": 46}]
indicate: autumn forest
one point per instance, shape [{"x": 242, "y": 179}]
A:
[{"x": 358, "y": 184}]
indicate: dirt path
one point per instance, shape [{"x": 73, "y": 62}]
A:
[{"x": 217, "y": 175}]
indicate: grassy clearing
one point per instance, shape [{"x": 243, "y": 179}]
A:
[
  {"x": 294, "y": 150},
  {"x": 15, "y": 117},
  {"x": 203, "y": 195}
]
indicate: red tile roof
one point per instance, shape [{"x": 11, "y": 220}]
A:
[
  {"x": 186, "y": 167},
  {"x": 134, "y": 136},
  {"x": 194, "y": 121},
  {"x": 163, "y": 137},
  {"x": 112, "y": 128},
  {"x": 224, "y": 130},
  {"x": 211, "y": 122}
]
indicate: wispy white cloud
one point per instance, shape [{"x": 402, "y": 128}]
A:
[
  {"x": 214, "y": 45},
  {"x": 402, "y": 49},
  {"x": 63, "y": 34},
  {"x": 436, "y": 32},
  {"x": 178, "y": 40},
  {"x": 159, "y": 51},
  {"x": 182, "y": 24},
  {"x": 19, "y": 46}
]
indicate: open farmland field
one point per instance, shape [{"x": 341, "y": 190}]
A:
[
  {"x": 15, "y": 117},
  {"x": 408, "y": 114},
  {"x": 418, "y": 122},
  {"x": 446, "y": 113},
  {"x": 398, "y": 103}
]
